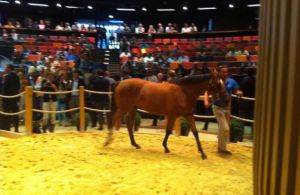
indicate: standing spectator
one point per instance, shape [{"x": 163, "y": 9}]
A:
[
  {"x": 160, "y": 28},
  {"x": 101, "y": 101},
  {"x": 132, "y": 28},
  {"x": 11, "y": 86},
  {"x": 77, "y": 81},
  {"x": 246, "y": 107},
  {"x": 221, "y": 107},
  {"x": 49, "y": 102},
  {"x": 62, "y": 99},
  {"x": 175, "y": 28}
]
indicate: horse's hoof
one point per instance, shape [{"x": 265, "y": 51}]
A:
[
  {"x": 167, "y": 151},
  {"x": 204, "y": 157},
  {"x": 137, "y": 146}
]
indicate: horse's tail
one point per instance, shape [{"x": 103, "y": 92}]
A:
[{"x": 111, "y": 119}]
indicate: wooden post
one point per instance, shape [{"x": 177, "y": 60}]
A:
[
  {"x": 81, "y": 109},
  {"x": 28, "y": 109}
]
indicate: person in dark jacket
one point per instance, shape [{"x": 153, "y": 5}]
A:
[
  {"x": 246, "y": 107},
  {"x": 101, "y": 101},
  {"x": 10, "y": 87},
  {"x": 49, "y": 102}
]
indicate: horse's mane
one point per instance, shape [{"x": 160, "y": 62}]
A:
[{"x": 194, "y": 79}]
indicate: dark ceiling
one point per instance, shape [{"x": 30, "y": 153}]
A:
[{"x": 239, "y": 17}]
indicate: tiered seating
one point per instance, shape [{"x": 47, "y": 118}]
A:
[{"x": 214, "y": 48}]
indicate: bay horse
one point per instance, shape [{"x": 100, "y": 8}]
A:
[{"x": 171, "y": 99}]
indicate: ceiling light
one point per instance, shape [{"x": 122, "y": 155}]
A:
[
  {"x": 165, "y": 10},
  {"x": 4, "y": 1},
  {"x": 38, "y": 4},
  {"x": 231, "y": 6},
  {"x": 206, "y": 8},
  {"x": 144, "y": 9},
  {"x": 17, "y": 2},
  {"x": 185, "y": 8},
  {"x": 58, "y": 5},
  {"x": 126, "y": 9},
  {"x": 253, "y": 5},
  {"x": 90, "y": 7},
  {"x": 73, "y": 7},
  {"x": 110, "y": 16}
]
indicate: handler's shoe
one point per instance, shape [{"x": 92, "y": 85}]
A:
[{"x": 226, "y": 152}]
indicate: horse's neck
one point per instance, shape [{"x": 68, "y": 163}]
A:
[{"x": 196, "y": 89}]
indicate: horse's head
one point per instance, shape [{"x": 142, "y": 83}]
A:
[{"x": 216, "y": 84}]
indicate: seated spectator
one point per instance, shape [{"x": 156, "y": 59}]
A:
[
  {"x": 83, "y": 28},
  {"x": 68, "y": 27},
  {"x": 169, "y": 28},
  {"x": 175, "y": 28},
  {"x": 150, "y": 76},
  {"x": 183, "y": 58},
  {"x": 18, "y": 24},
  {"x": 148, "y": 58},
  {"x": 171, "y": 75},
  {"x": 204, "y": 29},
  {"x": 42, "y": 25},
  {"x": 126, "y": 28},
  {"x": 186, "y": 28},
  {"x": 132, "y": 28},
  {"x": 14, "y": 35},
  {"x": 59, "y": 27},
  {"x": 4, "y": 33},
  {"x": 160, "y": 28},
  {"x": 151, "y": 30},
  {"x": 194, "y": 28},
  {"x": 140, "y": 28},
  {"x": 75, "y": 27},
  {"x": 9, "y": 25},
  {"x": 230, "y": 53}
]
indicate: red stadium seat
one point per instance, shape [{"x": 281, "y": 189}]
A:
[
  {"x": 187, "y": 65},
  {"x": 253, "y": 58},
  {"x": 254, "y": 38},
  {"x": 238, "y": 39},
  {"x": 210, "y": 39},
  {"x": 228, "y": 39},
  {"x": 135, "y": 50},
  {"x": 219, "y": 39}
]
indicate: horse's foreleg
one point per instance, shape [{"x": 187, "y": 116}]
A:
[
  {"x": 170, "y": 124},
  {"x": 130, "y": 123},
  {"x": 191, "y": 120}
]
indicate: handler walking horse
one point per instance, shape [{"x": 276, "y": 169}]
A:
[{"x": 171, "y": 99}]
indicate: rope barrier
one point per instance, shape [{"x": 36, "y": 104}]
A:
[
  {"x": 242, "y": 119},
  {"x": 12, "y": 114},
  {"x": 244, "y": 98},
  {"x": 96, "y": 110},
  {"x": 56, "y": 92},
  {"x": 204, "y": 116},
  {"x": 12, "y": 96},
  {"x": 97, "y": 92},
  {"x": 55, "y": 112}
]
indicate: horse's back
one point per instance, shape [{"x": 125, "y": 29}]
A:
[{"x": 127, "y": 92}]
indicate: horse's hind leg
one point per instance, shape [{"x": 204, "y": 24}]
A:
[
  {"x": 191, "y": 120},
  {"x": 115, "y": 119},
  {"x": 170, "y": 124},
  {"x": 130, "y": 123}
]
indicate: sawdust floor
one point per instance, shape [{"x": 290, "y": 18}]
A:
[{"x": 74, "y": 163}]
